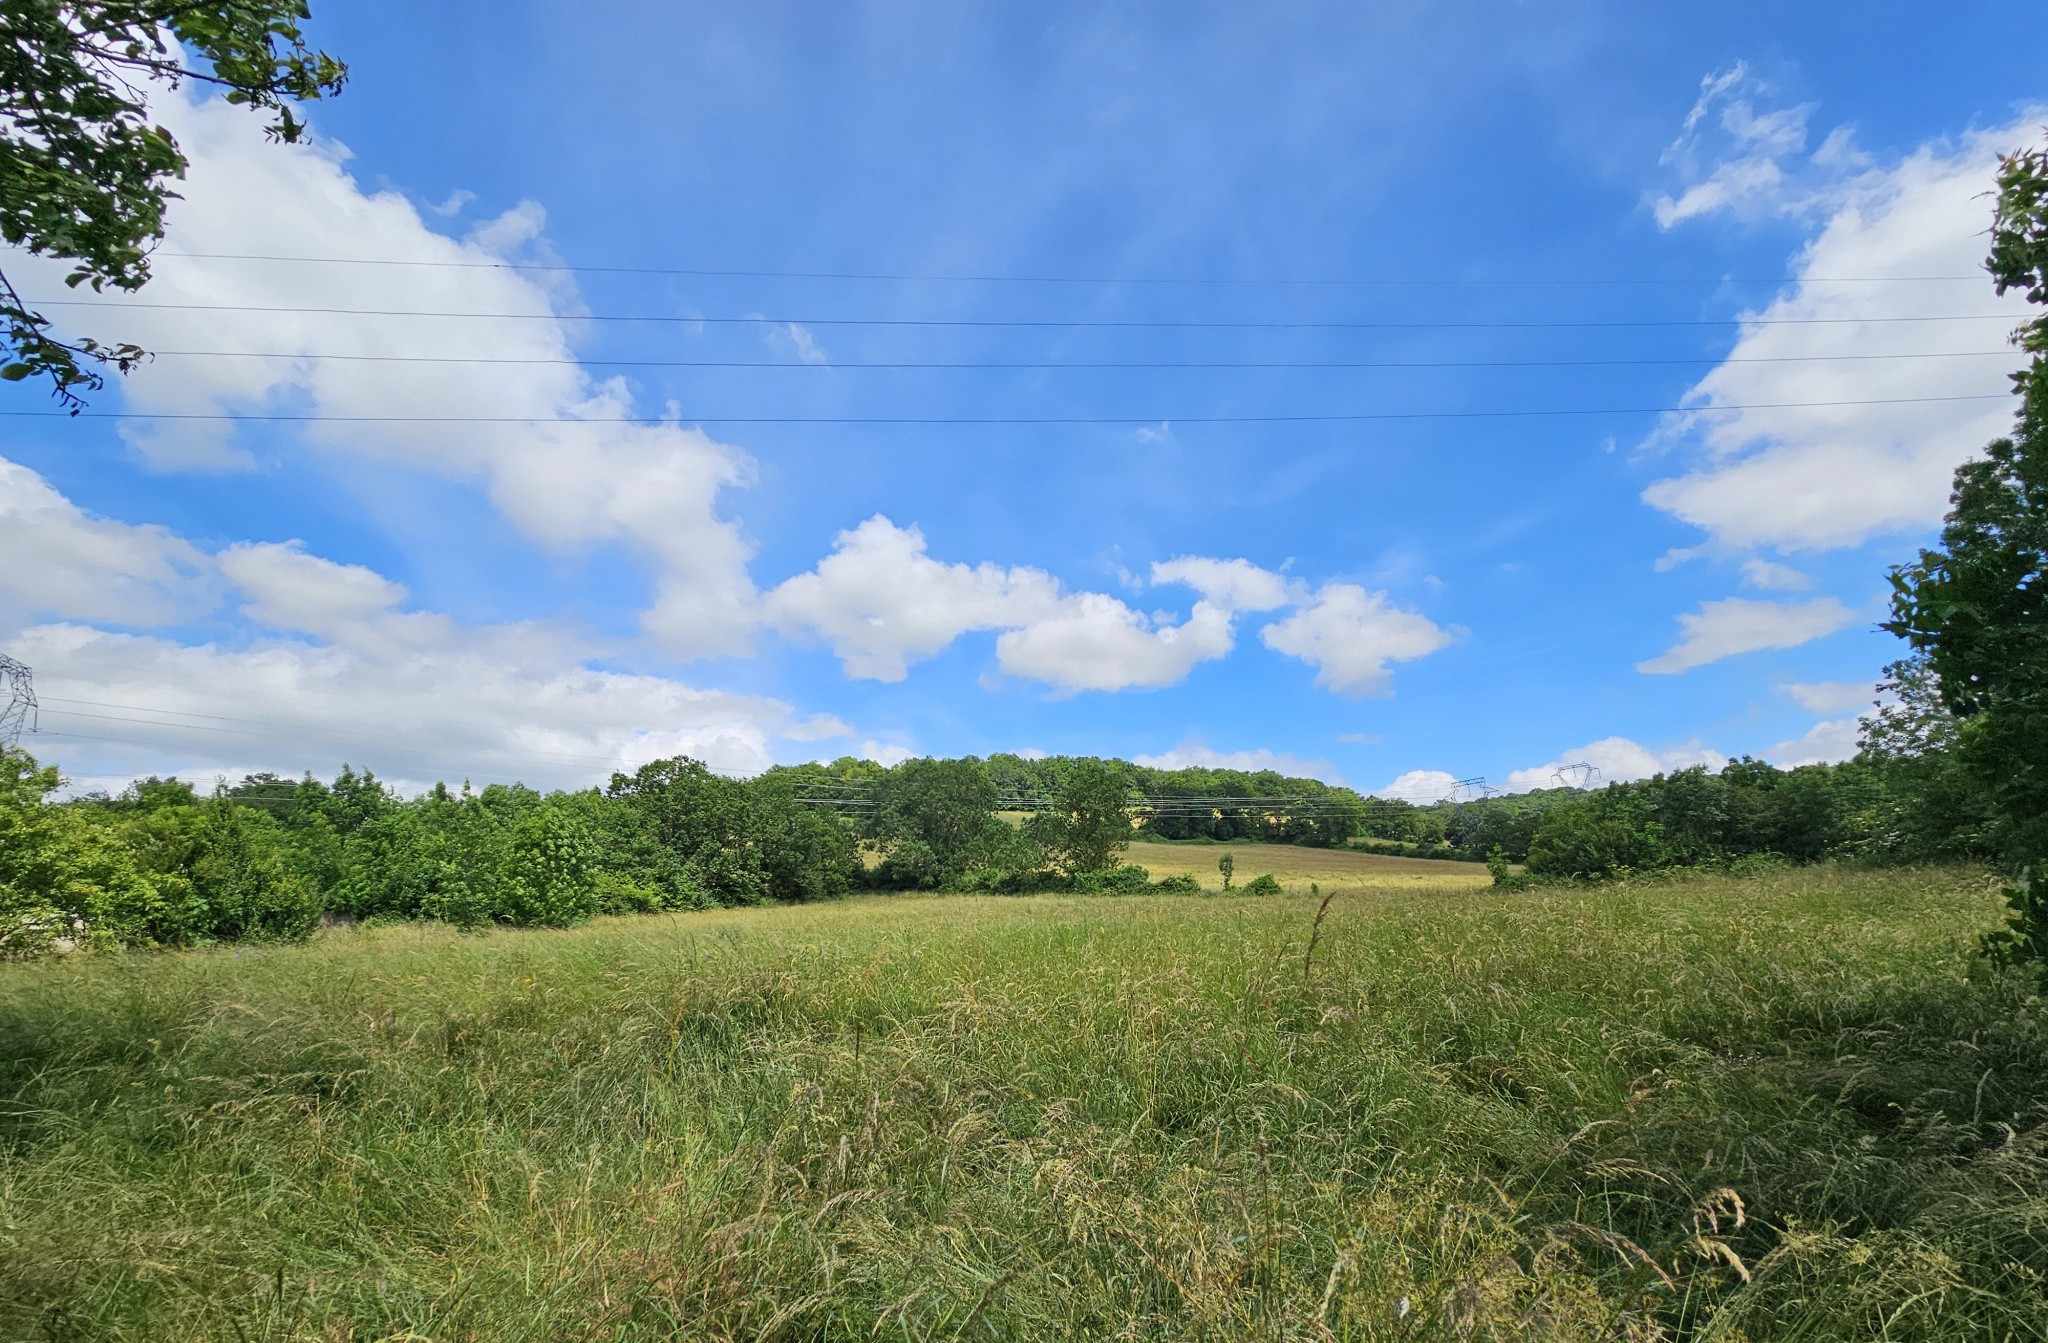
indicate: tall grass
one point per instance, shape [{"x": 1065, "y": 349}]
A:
[{"x": 1787, "y": 1108}]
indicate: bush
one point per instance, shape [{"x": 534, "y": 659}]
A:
[
  {"x": 1577, "y": 842},
  {"x": 913, "y": 866},
  {"x": 1123, "y": 879},
  {"x": 1263, "y": 884},
  {"x": 616, "y": 895},
  {"x": 1178, "y": 884}
]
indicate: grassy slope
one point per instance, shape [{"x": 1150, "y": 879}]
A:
[{"x": 1476, "y": 1116}]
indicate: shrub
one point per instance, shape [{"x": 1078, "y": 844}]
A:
[
  {"x": 913, "y": 866},
  {"x": 1263, "y": 884},
  {"x": 1178, "y": 884},
  {"x": 1577, "y": 842},
  {"x": 1123, "y": 879},
  {"x": 617, "y": 895}
]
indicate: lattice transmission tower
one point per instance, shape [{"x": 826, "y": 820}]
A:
[
  {"x": 18, "y": 684},
  {"x": 1581, "y": 775}
]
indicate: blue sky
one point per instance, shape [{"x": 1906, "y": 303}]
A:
[{"x": 606, "y": 542}]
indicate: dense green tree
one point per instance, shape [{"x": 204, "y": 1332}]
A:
[
  {"x": 1089, "y": 821},
  {"x": 85, "y": 174},
  {"x": 695, "y": 839},
  {"x": 548, "y": 871},
  {"x": 1792, "y": 813},
  {"x": 1691, "y": 811},
  {"x": 702, "y": 848},
  {"x": 1200, "y": 803},
  {"x": 1977, "y": 605},
  {"x": 1926, "y": 805},
  {"x": 65, "y": 875},
  {"x": 1478, "y": 828},
  {"x": 937, "y": 819},
  {"x": 222, "y": 873},
  {"x": 806, "y": 852},
  {"x": 433, "y": 857},
  {"x": 147, "y": 795}
]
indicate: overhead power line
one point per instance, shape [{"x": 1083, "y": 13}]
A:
[
  {"x": 955, "y": 278},
  {"x": 167, "y": 718},
  {"x": 1070, "y": 323},
  {"x": 826, "y": 366},
  {"x": 1301, "y": 808},
  {"x": 1346, "y": 417},
  {"x": 850, "y": 793}
]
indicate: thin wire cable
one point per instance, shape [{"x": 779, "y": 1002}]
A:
[
  {"x": 526, "y": 718},
  {"x": 1010, "y": 420},
  {"x": 303, "y": 727},
  {"x": 1371, "y": 806},
  {"x": 1024, "y": 323},
  {"x": 1309, "y": 281},
  {"x": 1689, "y": 361},
  {"x": 381, "y": 746}
]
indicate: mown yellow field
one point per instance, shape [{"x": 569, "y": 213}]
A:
[{"x": 1295, "y": 867}]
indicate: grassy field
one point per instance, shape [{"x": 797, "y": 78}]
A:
[{"x": 1785, "y": 1108}]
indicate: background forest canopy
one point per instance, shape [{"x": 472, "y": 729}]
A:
[{"x": 160, "y": 864}]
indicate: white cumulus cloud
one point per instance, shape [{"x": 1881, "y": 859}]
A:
[
  {"x": 1192, "y": 754},
  {"x": 287, "y": 589},
  {"x": 1350, "y": 635},
  {"x": 563, "y": 471},
  {"x": 1772, "y": 577},
  {"x": 1619, "y": 759},
  {"x": 1732, "y": 625},
  {"x": 1092, "y": 641},
  {"x": 880, "y": 602},
  {"x": 1862, "y": 445},
  {"x": 1422, "y": 786},
  {"x": 1235, "y": 585},
  {"x": 1824, "y": 743},
  {"x": 1826, "y": 697},
  {"x": 55, "y": 558},
  {"x": 337, "y": 668}
]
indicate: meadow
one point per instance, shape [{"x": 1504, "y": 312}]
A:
[{"x": 1790, "y": 1107}]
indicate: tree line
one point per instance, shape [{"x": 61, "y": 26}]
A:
[
  {"x": 1905, "y": 798},
  {"x": 160, "y": 864}
]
